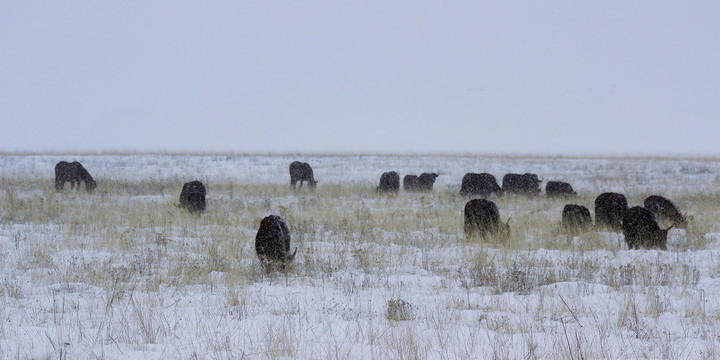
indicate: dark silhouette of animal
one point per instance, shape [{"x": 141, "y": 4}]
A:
[
  {"x": 665, "y": 211},
  {"x": 610, "y": 208},
  {"x": 74, "y": 173},
  {"x": 482, "y": 218},
  {"x": 480, "y": 184},
  {"x": 389, "y": 182},
  {"x": 272, "y": 242},
  {"x": 192, "y": 196},
  {"x": 424, "y": 182},
  {"x": 411, "y": 183},
  {"x": 525, "y": 184},
  {"x": 427, "y": 180},
  {"x": 576, "y": 219},
  {"x": 302, "y": 172},
  {"x": 559, "y": 189},
  {"x": 641, "y": 230}
]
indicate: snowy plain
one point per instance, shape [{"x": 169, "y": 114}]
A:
[{"x": 123, "y": 273}]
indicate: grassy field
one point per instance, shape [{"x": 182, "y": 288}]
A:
[{"x": 124, "y": 273}]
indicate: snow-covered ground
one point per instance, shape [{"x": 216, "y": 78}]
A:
[{"x": 122, "y": 273}]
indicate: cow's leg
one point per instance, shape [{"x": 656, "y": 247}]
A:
[
  {"x": 292, "y": 183},
  {"x": 300, "y": 187}
]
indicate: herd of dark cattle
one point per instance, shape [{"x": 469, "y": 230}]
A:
[
  {"x": 639, "y": 224},
  {"x": 390, "y": 182}
]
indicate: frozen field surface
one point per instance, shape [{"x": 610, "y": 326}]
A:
[{"x": 123, "y": 273}]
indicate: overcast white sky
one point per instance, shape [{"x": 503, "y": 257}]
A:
[{"x": 552, "y": 77}]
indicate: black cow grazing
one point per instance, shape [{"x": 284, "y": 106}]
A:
[
  {"x": 665, "y": 211},
  {"x": 411, "y": 183},
  {"x": 576, "y": 219},
  {"x": 427, "y": 180},
  {"x": 302, "y": 172},
  {"x": 480, "y": 184},
  {"x": 272, "y": 242},
  {"x": 389, "y": 181},
  {"x": 192, "y": 196},
  {"x": 609, "y": 210},
  {"x": 559, "y": 189},
  {"x": 424, "y": 182},
  {"x": 641, "y": 230},
  {"x": 74, "y": 173},
  {"x": 525, "y": 184},
  {"x": 482, "y": 218}
]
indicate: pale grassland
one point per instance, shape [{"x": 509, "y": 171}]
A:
[
  {"x": 359, "y": 223},
  {"x": 130, "y": 247}
]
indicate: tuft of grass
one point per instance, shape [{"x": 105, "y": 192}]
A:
[
  {"x": 399, "y": 310},
  {"x": 11, "y": 289}
]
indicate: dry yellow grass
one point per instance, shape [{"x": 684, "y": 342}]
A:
[{"x": 359, "y": 224}]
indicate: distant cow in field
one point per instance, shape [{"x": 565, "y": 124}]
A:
[
  {"x": 272, "y": 242},
  {"x": 427, "y": 180},
  {"x": 525, "y": 184},
  {"x": 74, "y": 173},
  {"x": 424, "y": 182},
  {"x": 559, "y": 189},
  {"x": 411, "y": 183},
  {"x": 610, "y": 208},
  {"x": 192, "y": 196},
  {"x": 480, "y": 184},
  {"x": 665, "y": 211},
  {"x": 300, "y": 171},
  {"x": 389, "y": 182},
  {"x": 641, "y": 230},
  {"x": 482, "y": 218},
  {"x": 576, "y": 219}
]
